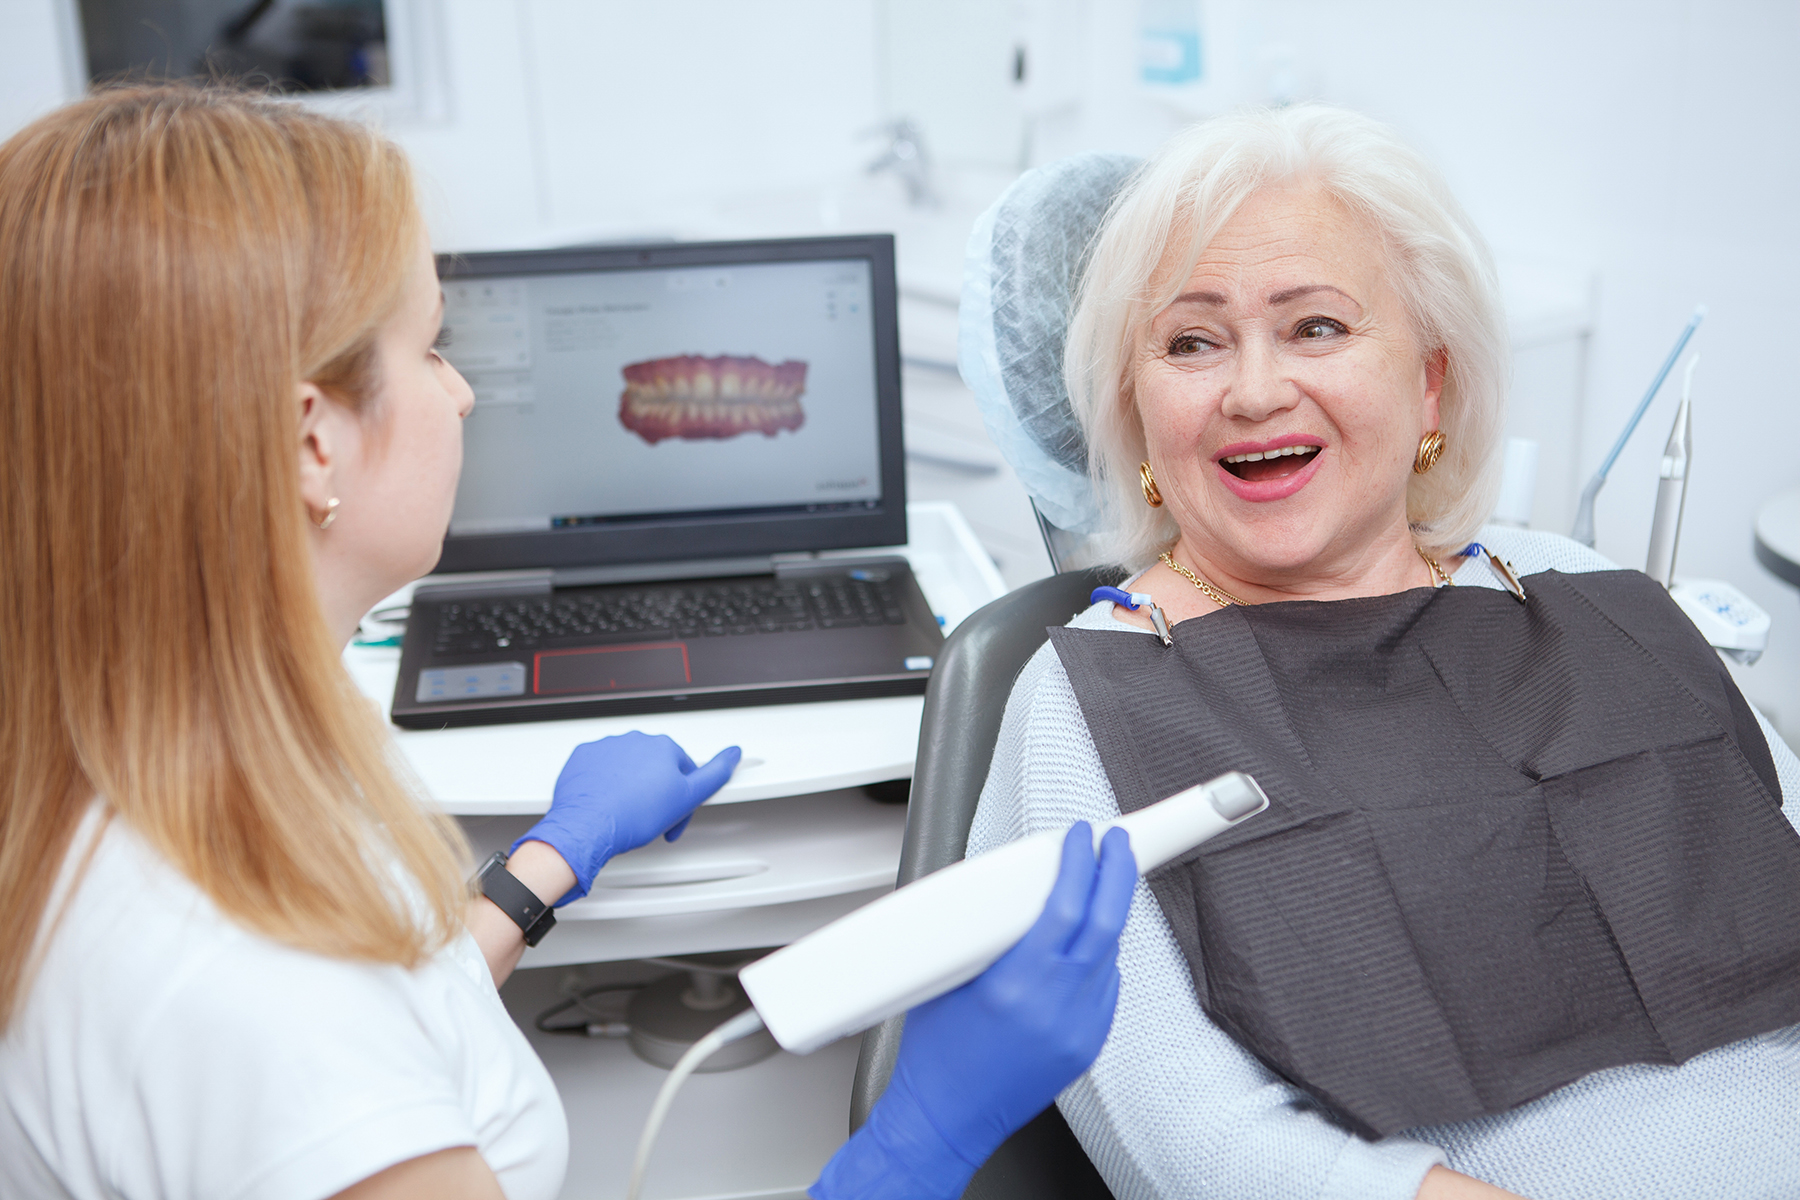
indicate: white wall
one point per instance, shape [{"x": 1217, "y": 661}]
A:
[
  {"x": 576, "y": 119},
  {"x": 31, "y": 60},
  {"x": 645, "y": 106}
]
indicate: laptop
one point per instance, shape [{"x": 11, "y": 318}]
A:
[{"x": 666, "y": 441}]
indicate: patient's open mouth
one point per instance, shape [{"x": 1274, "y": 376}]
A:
[{"x": 1260, "y": 465}]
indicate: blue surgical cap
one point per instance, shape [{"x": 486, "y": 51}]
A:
[{"x": 1025, "y": 258}]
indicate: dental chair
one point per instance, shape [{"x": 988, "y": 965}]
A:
[
  {"x": 1025, "y": 255},
  {"x": 963, "y": 706}
]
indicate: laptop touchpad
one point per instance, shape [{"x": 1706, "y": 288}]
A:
[{"x": 611, "y": 669}]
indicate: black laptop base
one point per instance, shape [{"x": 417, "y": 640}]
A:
[
  {"x": 847, "y": 630},
  {"x": 648, "y": 702}
]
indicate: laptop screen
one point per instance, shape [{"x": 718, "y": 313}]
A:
[{"x": 655, "y": 403}]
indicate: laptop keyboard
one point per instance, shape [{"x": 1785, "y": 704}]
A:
[{"x": 668, "y": 610}]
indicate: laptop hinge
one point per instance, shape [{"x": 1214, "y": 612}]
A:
[
  {"x": 450, "y": 587},
  {"x": 658, "y": 572}
]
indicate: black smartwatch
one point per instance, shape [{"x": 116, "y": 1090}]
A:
[{"x": 515, "y": 899}]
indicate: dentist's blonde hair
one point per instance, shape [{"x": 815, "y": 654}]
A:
[
  {"x": 174, "y": 261},
  {"x": 1177, "y": 202}
]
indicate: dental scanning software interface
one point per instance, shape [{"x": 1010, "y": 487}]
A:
[{"x": 610, "y": 396}]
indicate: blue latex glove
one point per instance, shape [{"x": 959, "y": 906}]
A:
[
  {"x": 979, "y": 1062},
  {"x": 619, "y": 793}
]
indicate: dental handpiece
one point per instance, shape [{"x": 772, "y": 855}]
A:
[
  {"x": 1583, "y": 531},
  {"x": 943, "y": 930},
  {"x": 1671, "y": 489}
]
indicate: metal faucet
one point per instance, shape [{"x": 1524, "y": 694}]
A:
[{"x": 905, "y": 156}]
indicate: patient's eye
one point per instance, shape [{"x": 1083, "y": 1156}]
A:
[
  {"x": 1315, "y": 328},
  {"x": 1186, "y": 344},
  {"x": 442, "y": 341}
]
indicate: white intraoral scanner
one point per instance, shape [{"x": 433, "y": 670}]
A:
[
  {"x": 945, "y": 929},
  {"x": 936, "y": 934}
]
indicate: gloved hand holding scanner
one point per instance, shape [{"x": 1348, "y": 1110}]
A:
[{"x": 977, "y": 1063}]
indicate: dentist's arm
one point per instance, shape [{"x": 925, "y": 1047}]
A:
[
  {"x": 979, "y": 1062},
  {"x": 613, "y": 795}
]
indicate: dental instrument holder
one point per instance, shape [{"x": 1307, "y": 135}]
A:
[
  {"x": 1584, "y": 513},
  {"x": 937, "y": 934}
]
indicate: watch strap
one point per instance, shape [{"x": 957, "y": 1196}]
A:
[{"x": 530, "y": 914}]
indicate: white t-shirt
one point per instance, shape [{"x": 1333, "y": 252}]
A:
[{"x": 164, "y": 1051}]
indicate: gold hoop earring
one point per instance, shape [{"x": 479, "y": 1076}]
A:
[
  {"x": 1147, "y": 481},
  {"x": 1431, "y": 448},
  {"x": 331, "y": 507}
]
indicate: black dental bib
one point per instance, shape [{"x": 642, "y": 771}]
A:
[{"x": 1508, "y": 844}]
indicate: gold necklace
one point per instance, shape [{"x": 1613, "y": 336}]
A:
[
  {"x": 1225, "y": 599},
  {"x": 1437, "y": 572},
  {"x": 1218, "y": 596}
]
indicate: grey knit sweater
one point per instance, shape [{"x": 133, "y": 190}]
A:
[{"x": 1174, "y": 1108}]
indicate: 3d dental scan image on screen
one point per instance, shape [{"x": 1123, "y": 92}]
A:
[
  {"x": 589, "y": 403},
  {"x": 899, "y": 600},
  {"x": 695, "y": 398}
]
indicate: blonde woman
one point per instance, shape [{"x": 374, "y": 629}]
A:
[{"x": 237, "y": 956}]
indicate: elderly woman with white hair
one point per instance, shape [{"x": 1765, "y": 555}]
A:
[{"x": 1524, "y": 912}]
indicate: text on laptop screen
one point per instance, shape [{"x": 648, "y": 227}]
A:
[{"x": 603, "y": 397}]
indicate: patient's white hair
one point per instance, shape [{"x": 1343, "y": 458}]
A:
[{"x": 1173, "y": 207}]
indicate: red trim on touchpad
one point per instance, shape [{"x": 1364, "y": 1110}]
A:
[{"x": 643, "y": 666}]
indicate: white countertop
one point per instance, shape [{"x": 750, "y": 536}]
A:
[
  {"x": 780, "y": 851},
  {"x": 741, "y": 876}
]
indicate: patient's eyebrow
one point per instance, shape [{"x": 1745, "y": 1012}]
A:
[
  {"x": 1218, "y": 300},
  {"x": 1294, "y": 293}
]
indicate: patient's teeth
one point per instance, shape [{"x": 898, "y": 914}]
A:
[{"x": 1259, "y": 455}]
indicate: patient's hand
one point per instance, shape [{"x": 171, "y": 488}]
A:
[{"x": 1441, "y": 1183}]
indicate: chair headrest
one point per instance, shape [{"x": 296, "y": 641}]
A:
[{"x": 1024, "y": 260}]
